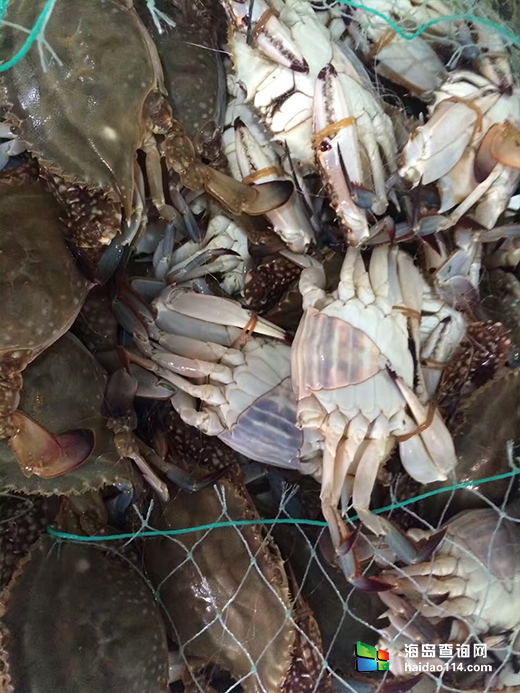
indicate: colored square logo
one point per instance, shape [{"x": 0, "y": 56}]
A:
[{"x": 368, "y": 658}]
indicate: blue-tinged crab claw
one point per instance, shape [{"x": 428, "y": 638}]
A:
[
  {"x": 39, "y": 452},
  {"x": 405, "y": 548},
  {"x": 350, "y": 564}
]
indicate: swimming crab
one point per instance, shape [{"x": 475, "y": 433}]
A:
[
  {"x": 322, "y": 106},
  {"x": 86, "y": 135},
  {"x": 42, "y": 291},
  {"x": 246, "y": 396},
  {"x": 80, "y": 617},
  {"x": 357, "y": 382},
  {"x": 221, "y": 586},
  {"x": 473, "y": 579}
]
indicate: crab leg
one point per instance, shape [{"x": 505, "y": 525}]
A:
[
  {"x": 206, "y": 421},
  {"x": 219, "y": 311},
  {"x": 365, "y": 479}
]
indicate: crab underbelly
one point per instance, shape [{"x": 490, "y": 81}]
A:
[{"x": 266, "y": 431}]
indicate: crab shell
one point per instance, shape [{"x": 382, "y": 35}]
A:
[
  {"x": 41, "y": 286},
  {"x": 193, "y": 74},
  {"x": 82, "y": 117},
  {"x": 64, "y": 390},
  {"x": 77, "y": 618},
  {"x": 216, "y": 599}
]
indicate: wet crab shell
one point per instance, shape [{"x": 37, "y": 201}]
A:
[
  {"x": 82, "y": 118},
  {"x": 190, "y": 60},
  {"x": 42, "y": 289},
  {"x": 64, "y": 390},
  {"x": 216, "y": 599},
  {"x": 77, "y": 618}
]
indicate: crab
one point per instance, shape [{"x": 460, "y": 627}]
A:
[
  {"x": 413, "y": 64},
  {"x": 324, "y": 109},
  {"x": 215, "y": 598},
  {"x": 470, "y": 146},
  {"x": 42, "y": 290},
  {"x": 86, "y": 136},
  {"x": 63, "y": 438},
  {"x": 356, "y": 383},
  {"x": 476, "y": 570},
  {"x": 80, "y": 616},
  {"x": 247, "y": 399}
]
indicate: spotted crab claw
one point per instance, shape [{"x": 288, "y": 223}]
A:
[
  {"x": 39, "y": 452},
  {"x": 337, "y": 151},
  {"x": 271, "y": 36},
  {"x": 289, "y": 221}
]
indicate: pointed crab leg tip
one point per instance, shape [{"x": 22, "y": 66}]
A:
[
  {"x": 300, "y": 66},
  {"x": 427, "y": 546},
  {"x": 370, "y": 584},
  {"x": 348, "y": 543},
  {"x": 327, "y": 70},
  {"x": 269, "y": 196}
]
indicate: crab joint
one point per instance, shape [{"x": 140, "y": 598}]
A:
[
  {"x": 246, "y": 332},
  {"x": 330, "y": 131},
  {"x": 258, "y": 175},
  {"x": 421, "y": 427},
  {"x": 262, "y": 21}
]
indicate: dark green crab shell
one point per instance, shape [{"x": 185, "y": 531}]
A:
[
  {"x": 64, "y": 390},
  {"x": 78, "y": 619}
]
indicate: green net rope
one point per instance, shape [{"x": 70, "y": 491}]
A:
[
  {"x": 464, "y": 16},
  {"x": 276, "y": 521}
]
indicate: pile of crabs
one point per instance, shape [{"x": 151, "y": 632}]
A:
[{"x": 247, "y": 245}]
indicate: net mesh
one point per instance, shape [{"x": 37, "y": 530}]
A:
[{"x": 344, "y": 615}]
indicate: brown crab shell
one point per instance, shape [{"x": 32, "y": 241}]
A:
[
  {"x": 216, "y": 599},
  {"x": 64, "y": 390},
  {"x": 41, "y": 287},
  {"x": 77, "y": 618},
  {"x": 82, "y": 118}
]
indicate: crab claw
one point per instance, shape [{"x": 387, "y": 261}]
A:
[
  {"x": 405, "y": 548},
  {"x": 338, "y": 153},
  {"x": 238, "y": 197},
  {"x": 272, "y": 37},
  {"x": 425, "y": 444},
  {"x": 349, "y": 562},
  {"x": 289, "y": 221},
  {"x": 39, "y": 452},
  {"x": 501, "y": 144}
]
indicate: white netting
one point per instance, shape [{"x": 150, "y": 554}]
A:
[{"x": 345, "y": 615}]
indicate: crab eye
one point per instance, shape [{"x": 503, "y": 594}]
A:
[{"x": 325, "y": 146}]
